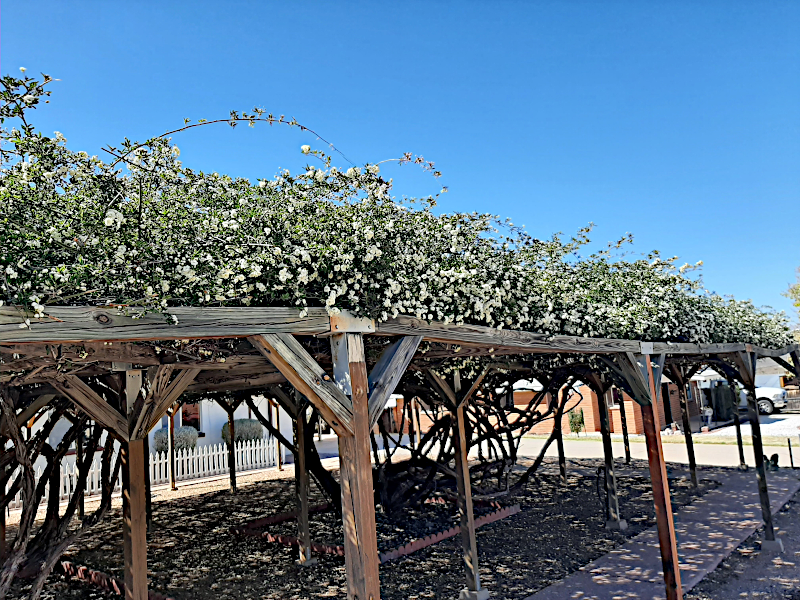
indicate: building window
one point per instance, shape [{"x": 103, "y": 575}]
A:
[
  {"x": 613, "y": 398},
  {"x": 190, "y": 415}
]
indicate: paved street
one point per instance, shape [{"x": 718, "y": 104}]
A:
[{"x": 718, "y": 455}]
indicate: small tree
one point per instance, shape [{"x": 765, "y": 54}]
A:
[{"x": 576, "y": 423}]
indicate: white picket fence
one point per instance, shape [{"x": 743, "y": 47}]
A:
[{"x": 200, "y": 462}]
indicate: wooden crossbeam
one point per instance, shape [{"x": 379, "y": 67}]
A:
[
  {"x": 388, "y": 371},
  {"x": 311, "y": 380},
  {"x": 86, "y": 323},
  {"x": 85, "y": 398}
]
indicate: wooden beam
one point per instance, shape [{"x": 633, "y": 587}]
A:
[
  {"x": 658, "y": 478},
  {"x": 86, "y": 323},
  {"x": 527, "y": 342},
  {"x": 388, "y": 371},
  {"x": 358, "y": 503},
  {"x": 311, "y": 380},
  {"x": 97, "y": 323},
  {"x": 220, "y": 381},
  {"x": 29, "y": 411},
  {"x": 85, "y": 398}
]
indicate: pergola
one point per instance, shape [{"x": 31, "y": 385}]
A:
[{"x": 55, "y": 355}]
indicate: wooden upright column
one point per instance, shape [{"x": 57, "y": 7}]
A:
[
  {"x": 301, "y": 490},
  {"x": 770, "y": 542},
  {"x": 613, "y": 518},
  {"x": 658, "y": 478},
  {"x": 746, "y": 363},
  {"x": 469, "y": 546},
  {"x": 134, "y": 503},
  {"x": 171, "y": 449},
  {"x": 232, "y": 452},
  {"x": 562, "y": 459},
  {"x": 358, "y": 504},
  {"x": 2, "y": 509},
  {"x": 624, "y": 421},
  {"x": 687, "y": 432},
  {"x": 739, "y": 442}
]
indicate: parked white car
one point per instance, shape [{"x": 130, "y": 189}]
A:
[{"x": 768, "y": 399}]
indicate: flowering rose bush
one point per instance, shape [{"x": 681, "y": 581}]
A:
[{"x": 145, "y": 232}]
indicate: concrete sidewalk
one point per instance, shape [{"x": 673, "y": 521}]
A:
[{"x": 708, "y": 530}]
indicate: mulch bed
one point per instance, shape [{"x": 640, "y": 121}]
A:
[{"x": 194, "y": 555}]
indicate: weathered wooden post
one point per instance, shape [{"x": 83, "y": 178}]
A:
[
  {"x": 171, "y": 448},
  {"x": 624, "y": 421},
  {"x": 358, "y": 508},
  {"x": 644, "y": 381},
  {"x": 746, "y": 363},
  {"x": 613, "y": 518},
  {"x": 78, "y": 461},
  {"x": 301, "y": 485},
  {"x": 350, "y": 404},
  {"x": 681, "y": 379},
  {"x": 147, "y": 491},
  {"x": 232, "y": 452},
  {"x": 2, "y": 508},
  {"x": 134, "y": 501},
  {"x": 469, "y": 545},
  {"x": 559, "y": 434},
  {"x": 278, "y": 451},
  {"x": 739, "y": 442}
]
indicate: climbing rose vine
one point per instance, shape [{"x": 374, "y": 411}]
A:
[{"x": 142, "y": 231}]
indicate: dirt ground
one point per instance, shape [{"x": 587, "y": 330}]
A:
[
  {"x": 750, "y": 573},
  {"x": 193, "y": 555}
]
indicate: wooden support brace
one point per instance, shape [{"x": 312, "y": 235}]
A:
[
  {"x": 302, "y": 371},
  {"x": 387, "y": 372},
  {"x": 85, "y": 398}
]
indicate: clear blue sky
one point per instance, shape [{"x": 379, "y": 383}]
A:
[{"x": 677, "y": 121}]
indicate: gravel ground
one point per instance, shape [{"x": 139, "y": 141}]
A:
[
  {"x": 750, "y": 573},
  {"x": 192, "y": 555},
  {"x": 776, "y": 425}
]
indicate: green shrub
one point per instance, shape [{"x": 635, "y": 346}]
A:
[
  {"x": 244, "y": 430},
  {"x": 576, "y": 423},
  {"x": 185, "y": 439}
]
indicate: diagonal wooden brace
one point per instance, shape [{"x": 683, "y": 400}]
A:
[
  {"x": 85, "y": 398},
  {"x": 311, "y": 380}
]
